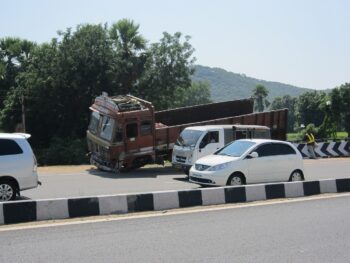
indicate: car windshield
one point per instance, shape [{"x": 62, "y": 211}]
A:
[
  {"x": 236, "y": 148},
  {"x": 188, "y": 138}
]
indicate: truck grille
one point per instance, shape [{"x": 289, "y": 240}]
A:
[{"x": 180, "y": 159}]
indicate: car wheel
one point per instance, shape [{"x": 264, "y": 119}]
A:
[
  {"x": 235, "y": 179},
  {"x": 297, "y": 175},
  {"x": 7, "y": 191}
]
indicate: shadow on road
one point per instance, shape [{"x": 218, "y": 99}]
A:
[
  {"x": 144, "y": 172},
  {"x": 22, "y": 198}
]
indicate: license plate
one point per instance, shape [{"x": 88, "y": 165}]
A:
[{"x": 197, "y": 175}]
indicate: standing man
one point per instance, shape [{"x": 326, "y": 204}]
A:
[{"x": 310, "y": 142}]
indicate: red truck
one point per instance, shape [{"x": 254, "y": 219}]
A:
[{"x": 126, "y": 132}]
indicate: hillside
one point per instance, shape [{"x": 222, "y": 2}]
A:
[{"x": 228, "y": 85}]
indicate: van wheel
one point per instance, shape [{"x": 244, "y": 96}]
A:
[
  {"x": 187, "y": 171},
  {"x": 296, "y": 175},
  {"x": 7, "y": 191},
  {"x": 236, "y": 179}
]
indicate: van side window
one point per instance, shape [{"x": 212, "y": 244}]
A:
[
  {"x": 146, "y": 128},
  {"x": 210, "y": 137},
  {"x": 9, "y": 147},
  {"x": 131, "y": 130},
  {"x": 213, "y": 136},
  {"x": 240, "y": 135}
]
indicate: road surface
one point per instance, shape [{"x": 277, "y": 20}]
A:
[
  {"x": 315, "y": 230},
  {"x": 74, "y": 181}
]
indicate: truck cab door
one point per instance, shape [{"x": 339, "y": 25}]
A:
[
  {"x": 131, "y": 134},
  {"x": 209, "y": 144}
]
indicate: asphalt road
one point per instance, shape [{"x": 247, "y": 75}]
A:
[
  {"x": 90, "y": 182},
  {"x": 305, "y": 231}
]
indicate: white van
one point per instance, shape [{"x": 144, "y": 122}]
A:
[
  {"x": 199, "y": 141},
  {"x": 18, "y": 165}
]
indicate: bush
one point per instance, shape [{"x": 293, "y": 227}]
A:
[{"x": 63, "y": 151}]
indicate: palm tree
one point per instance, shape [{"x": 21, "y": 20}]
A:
[
  {"x": 126, "y": 38},
  {"x": 130, "y": 59},
  {"x": 259, "y": 94}
]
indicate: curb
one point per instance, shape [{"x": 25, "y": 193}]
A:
[{"x": 51, "y": 209}]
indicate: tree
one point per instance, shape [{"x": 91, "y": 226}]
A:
[
  {"x": 259, "y": 94},
  {"x": 308, "y": 108},
  {"x": 60, "y": 79},
  {"x": 15, "y": 57},
  {"x": 167, "y": 71},
  {"x": 198, "y": 93},
  {"x": 340, "y": 106},
  {"x": 286, "y": 102},
  {"x": 130, "y": 59}
]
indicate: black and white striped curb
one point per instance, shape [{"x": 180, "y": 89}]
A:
[
  {"x": 326, "y": 149},
  {"x": 26, "y": 211}
]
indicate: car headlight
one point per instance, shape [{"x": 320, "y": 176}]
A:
[{"x": 219, "y": 167}]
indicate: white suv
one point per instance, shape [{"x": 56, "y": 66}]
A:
[{"x": 18, "y": 166}]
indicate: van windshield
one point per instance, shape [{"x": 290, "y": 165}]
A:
[
  {"x": 236, "y": 148},
  {"x": 188, "y": 138}
]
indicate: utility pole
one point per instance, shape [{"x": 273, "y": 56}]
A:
[{"x": 23, "y": 114}]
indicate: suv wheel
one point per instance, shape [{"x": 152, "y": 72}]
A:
[{"x": 7, "y": 191}]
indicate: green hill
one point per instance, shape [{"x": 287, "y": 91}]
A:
[{"x": 228, "y": 85}]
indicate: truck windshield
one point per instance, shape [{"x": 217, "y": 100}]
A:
[
  {"x": 188, "y": 138},
  {"x": 94, "y": 121},
  {"x": 107, "y": 128},
  {"x": 236, "y": 148}
]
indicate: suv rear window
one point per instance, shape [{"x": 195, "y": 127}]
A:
[{"x": 9, "y": 147}]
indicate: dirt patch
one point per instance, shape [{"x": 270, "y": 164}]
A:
[{"x": 64, "y": 169}]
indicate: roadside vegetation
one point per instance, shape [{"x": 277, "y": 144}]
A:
[{"x": 46, "y": 89}]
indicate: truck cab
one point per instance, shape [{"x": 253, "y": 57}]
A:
[
  {"x": 120, "y": 133},
  {"x": 199, "y": 141}
]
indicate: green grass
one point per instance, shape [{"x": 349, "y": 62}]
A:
[{"x": 298, "y": 137}]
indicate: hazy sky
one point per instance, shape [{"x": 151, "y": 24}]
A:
[{"x": 299, "y": 42}]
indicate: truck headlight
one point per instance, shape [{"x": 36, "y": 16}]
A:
[{"x": 219, "y": 167}]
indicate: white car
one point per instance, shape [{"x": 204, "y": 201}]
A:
[
  {"x": 18, "y": 165},
  {"x": 249, "y": 161}
]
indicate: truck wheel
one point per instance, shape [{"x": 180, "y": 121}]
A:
[{"x": 7, "y": 190}]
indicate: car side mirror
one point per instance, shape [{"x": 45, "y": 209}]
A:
[{"x": 253, "y": 155}]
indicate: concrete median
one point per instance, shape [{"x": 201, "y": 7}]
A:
[{"x": 63, "y": 208}]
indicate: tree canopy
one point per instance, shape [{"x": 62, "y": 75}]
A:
[{"x": 59, "y": 80}]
